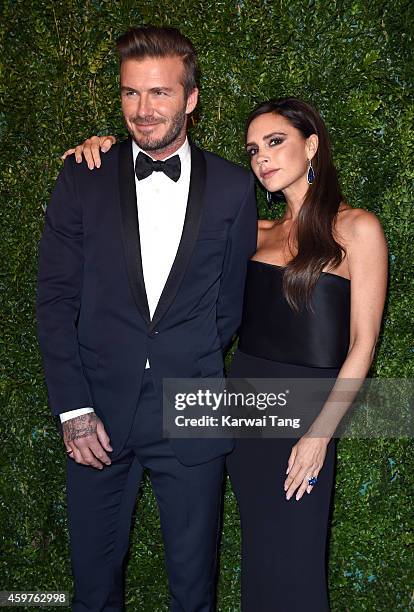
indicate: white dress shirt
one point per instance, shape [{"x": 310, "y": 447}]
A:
[{"x": 162, "y": 204}]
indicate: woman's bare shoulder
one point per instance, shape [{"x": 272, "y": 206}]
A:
[
  {"x": 356, "y": 223},
  {"x": 353, "y": 218},
  {"x": 265, "y": 224}
]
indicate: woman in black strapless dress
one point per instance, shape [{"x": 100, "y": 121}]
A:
[{"x": 300, "y": 321}]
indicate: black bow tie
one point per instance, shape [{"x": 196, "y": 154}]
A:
[{"x": 145, "y": 166}]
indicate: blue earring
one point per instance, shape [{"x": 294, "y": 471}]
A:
[{"x": 311, "y": 174}]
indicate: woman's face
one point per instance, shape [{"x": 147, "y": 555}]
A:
[{"x": 279, "y": 153}]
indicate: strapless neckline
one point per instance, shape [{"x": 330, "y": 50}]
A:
[
  {"x": 278, "y": 267},
  {"x": 315, "y": 337}
]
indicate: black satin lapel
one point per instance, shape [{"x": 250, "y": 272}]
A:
[
  {"x": 189, "y": 236},
  {"x": 130, "y": 228}
]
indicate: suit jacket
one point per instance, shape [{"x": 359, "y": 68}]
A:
[{"x": 94, "y": 327}]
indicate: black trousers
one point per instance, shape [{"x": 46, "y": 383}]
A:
[{"x": 100, "y": 507}]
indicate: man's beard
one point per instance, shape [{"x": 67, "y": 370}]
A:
[{"x": 148, "y": 143}]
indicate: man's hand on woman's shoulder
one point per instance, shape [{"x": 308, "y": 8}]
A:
[{"x": 91, "y": 149}]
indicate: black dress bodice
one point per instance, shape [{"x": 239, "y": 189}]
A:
[{"x": 272, "y": 330}]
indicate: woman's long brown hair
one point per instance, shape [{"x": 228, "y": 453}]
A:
[{"x": 317, "y": 246}]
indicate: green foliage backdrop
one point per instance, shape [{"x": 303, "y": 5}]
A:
[{"x": 353, "y": 60}]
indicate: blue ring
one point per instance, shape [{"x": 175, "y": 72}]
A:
[{"x": 312, "y": 481}]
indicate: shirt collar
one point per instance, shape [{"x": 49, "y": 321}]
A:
[{"x": 184, "y": 152}]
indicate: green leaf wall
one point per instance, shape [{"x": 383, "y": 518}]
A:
[{"x": 59, "y": 83}]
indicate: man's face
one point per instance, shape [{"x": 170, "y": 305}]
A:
[{"x": 153, "y": 103}]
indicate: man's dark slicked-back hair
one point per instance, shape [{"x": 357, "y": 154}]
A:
[{"x": 153, "y": 41}]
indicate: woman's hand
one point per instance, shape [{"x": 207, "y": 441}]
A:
[
  {"x": 305, "y": 461},
  {"x": 91, "y": 149}
]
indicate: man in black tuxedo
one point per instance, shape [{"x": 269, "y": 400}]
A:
[{"x": 141, "y": 274}]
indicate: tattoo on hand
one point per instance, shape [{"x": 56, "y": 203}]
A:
[{"x": 80, "y": 427}]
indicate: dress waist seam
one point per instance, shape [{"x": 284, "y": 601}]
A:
[{"x": 299, "y": 365}]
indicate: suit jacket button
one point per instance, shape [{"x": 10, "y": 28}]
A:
[{"x": 153, "y": 333}]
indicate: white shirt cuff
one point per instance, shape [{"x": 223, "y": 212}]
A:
[{"x": 71, "y": 414}]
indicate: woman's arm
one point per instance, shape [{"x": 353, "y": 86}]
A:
[
  {"x": 367, "y": 256},
  {"x": 91, "y": 149}
]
